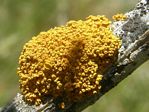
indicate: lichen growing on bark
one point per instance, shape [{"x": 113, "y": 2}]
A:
[{"x": 67, "y": 61}]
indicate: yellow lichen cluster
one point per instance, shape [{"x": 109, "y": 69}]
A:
[
  {"x": 119, "y": 17},
  {"x": 67, "y": 61}
]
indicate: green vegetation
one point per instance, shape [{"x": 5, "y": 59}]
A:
[{"x": 22, "y": 19}]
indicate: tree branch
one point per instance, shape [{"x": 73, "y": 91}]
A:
[{"x": 134, "y": 33}]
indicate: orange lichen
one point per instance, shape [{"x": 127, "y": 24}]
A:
[
  {"x": 119, "y": 17},
  {"x": 67, "y": 61},
  {"x": 62, "y": 105}
]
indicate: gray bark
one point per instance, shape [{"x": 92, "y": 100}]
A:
[{"x": 134, "y": 33}]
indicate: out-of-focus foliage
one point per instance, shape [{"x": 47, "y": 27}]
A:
[{"x": 22, "y": 19}]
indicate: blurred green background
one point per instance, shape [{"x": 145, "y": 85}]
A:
[{"x": 22, "y": 19}]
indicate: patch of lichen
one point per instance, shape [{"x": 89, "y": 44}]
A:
[
  {"x": 67, "y": 61},
  {"x": 119, "y": 17}
]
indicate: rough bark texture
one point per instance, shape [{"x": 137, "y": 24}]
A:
[{"x": 134, "y": 33}]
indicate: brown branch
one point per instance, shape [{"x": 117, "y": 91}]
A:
[{"x": 134, "y": 51}]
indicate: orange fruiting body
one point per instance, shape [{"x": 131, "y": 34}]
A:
[
  {"x": 69, "y": 60},
  {"x": 119, "y": 17}
]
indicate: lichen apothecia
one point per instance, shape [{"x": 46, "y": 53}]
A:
[
  {"x": 67, "y": 61},
  {"x": 119, "y": 17}
]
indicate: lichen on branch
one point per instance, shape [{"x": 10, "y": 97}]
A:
[
  {"x": 67, "y": 61},
  {"x": 76, "y": 44}
]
